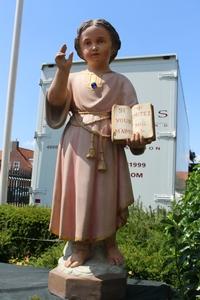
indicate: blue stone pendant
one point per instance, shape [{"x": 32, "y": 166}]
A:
[{"x": 93, "y": 85}]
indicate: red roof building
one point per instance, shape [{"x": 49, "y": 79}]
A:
[{"x": 20, "y": 158}]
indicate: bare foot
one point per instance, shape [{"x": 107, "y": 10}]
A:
[
  {"x": 114, "y": 255},
  {"x": 81, "y": 252}
]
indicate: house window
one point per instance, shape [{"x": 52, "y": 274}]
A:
[{"x": 16, "y": 165}]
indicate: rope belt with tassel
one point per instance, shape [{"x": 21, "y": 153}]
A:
[{"x": 92, "y": 151}]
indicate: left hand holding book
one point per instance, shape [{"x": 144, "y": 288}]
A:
[
  {"x": 134, "y": 126},
  {"x": 137, "y": 143}
]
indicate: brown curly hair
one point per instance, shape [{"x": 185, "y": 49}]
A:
[{"x": 116, "y": 43}]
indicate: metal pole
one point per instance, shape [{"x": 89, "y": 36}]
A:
[{"x": 10, "y": 102}]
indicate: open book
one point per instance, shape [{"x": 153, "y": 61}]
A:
[{"x": 127, "y": 120}]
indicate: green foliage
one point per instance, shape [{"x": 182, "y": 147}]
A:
[
  {"x": 49, "y": 259},
  {"x": 23, "y": 231},
  {"x": 182, "y": 228},
  {"x": 5, "y": 243},
  {"x": 143, "y": 244}
]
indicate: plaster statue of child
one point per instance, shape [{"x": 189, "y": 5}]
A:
[{"x": 92, "y": 189}]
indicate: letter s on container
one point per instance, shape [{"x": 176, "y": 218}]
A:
[{"x": 163, "y": 113}]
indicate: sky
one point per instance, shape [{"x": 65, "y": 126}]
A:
[{"x": 146, "y": 27}]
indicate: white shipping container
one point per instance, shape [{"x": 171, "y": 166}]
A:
[{"x": 157, "y": 175}]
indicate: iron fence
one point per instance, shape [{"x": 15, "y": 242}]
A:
[{"x": 19, "y": 182}]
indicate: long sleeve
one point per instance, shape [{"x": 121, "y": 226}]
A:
[{"x": 56, "y": 115}]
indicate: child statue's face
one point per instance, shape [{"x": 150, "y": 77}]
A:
[{"x": 96, "y": 47}]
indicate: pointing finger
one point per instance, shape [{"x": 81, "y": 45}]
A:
[{"x": 63, "y": 48}]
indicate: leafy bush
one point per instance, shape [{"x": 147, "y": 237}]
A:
[
  {"x": 143, "y": 244},
  {"x": 182, "y": 228},
  {"x": 23, "y": 231},
  {"x": 49, "y": 259}
]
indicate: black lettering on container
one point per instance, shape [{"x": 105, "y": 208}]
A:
[{"x": 136, "y": 175}]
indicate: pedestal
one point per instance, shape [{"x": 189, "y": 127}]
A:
[
  {"x": 95, "y": 280},
  {"x": 105, "y": 287}
]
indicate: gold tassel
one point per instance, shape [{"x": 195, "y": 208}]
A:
[
  {"x": 101, "y": 162},
  {"x": 91, "y": 152}
]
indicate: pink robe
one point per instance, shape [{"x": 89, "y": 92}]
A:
[{"x": 89, "y": 204}]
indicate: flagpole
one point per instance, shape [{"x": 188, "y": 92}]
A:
[{"x": 10, "y": 102}]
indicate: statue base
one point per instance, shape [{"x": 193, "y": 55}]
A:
[
  {"x": 95, "y": 280},
  {"x": 104, "y": 287}
]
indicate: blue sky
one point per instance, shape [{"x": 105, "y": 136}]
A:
[{"x": 145, "y": 26}]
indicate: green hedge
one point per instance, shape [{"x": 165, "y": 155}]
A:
[
  {"x": 182, "y": 229},
  {"x": 144, "y": 245},
  {"x": 23, "y": 231}
]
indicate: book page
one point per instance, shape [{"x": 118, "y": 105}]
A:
[
  {"x": 121, "y": 122},
  {"x": 142, "y": 116}
]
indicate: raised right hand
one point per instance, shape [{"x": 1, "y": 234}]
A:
[{"x": 62, "y": 62}]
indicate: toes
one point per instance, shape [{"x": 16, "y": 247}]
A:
[
  {"x": 111, "y": 261},
  {"x": 116, "y": 260},
  {"x": 120, "y": 260},
  {"x": 75, "y": 264},
  {"x": 68, "y": 263}
]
